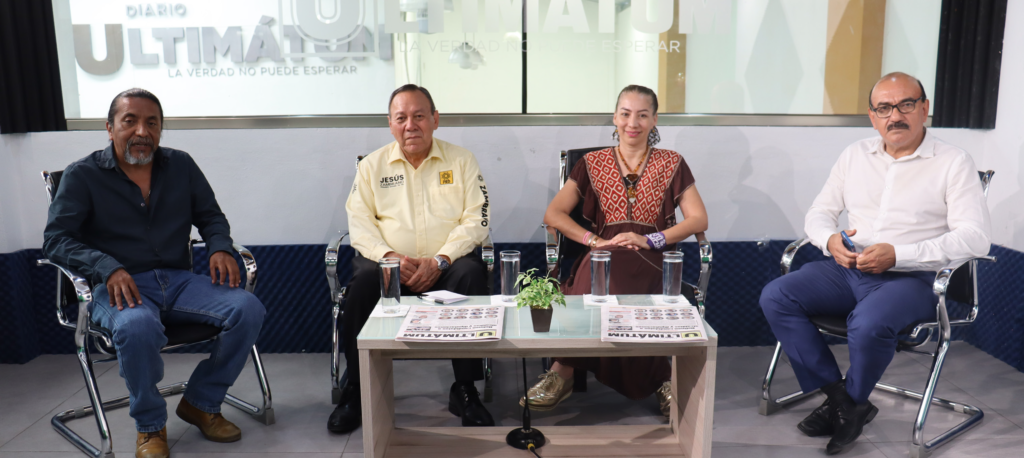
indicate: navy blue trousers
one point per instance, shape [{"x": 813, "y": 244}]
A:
[{"x": 877, "y": 307}]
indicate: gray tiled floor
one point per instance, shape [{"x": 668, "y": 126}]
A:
[{"x": 30, "y": 394}]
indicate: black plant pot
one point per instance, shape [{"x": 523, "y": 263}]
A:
[{"x": 541, "y": 319}]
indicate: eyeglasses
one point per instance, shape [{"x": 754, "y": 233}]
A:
[{"x": 905, "y": 107}]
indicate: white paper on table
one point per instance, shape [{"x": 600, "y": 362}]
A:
[
  {"x": 446, "y": 297},
  {"x": 378, "y": 312},
  {"x": 496, "y": 300},
  {"x": 678, "y": 323},
  {"x": 588, "y": 301},
  {"x": 452, "y": 323},
  {"x": 659, "y": 299}
]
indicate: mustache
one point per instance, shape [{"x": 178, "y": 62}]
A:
[
  {"x": 139, "y": 141},
  {"x": 897, "y": 125}
]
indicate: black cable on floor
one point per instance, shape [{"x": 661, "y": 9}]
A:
[{"x": 533, "y": 449}]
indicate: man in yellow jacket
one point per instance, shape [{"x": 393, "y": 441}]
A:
[{"x": 424, "y": 201}]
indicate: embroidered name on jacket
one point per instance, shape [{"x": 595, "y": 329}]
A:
[{"x": 392, "y": 181}]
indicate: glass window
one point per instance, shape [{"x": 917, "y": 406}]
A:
[{"x": 246, "y": 58}]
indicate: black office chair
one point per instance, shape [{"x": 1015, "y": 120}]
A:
[
  {"x": 73, "y": 288},
  {"x": 561, "y": 253},
  {"x": 957, "y": 282},
  {"x": 338, "y": 295}
]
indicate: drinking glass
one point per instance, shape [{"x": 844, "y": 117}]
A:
[
  {"x": 672, "y": 276},
  {"x": 600, "y": 275},
  {"x": 509, "y": 273},
  {"x": 390, "y": 284}
]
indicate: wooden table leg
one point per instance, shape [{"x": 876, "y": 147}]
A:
[
  {"x": 693, "y": 383},
  {"x": 377, "y": 389}
]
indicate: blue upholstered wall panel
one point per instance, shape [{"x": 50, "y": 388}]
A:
[
  {"x": 999, "y": 328},
  {"x": 293, "y": 286},
  {"x": 18, "y": 342}
]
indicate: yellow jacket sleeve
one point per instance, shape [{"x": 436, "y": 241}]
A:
[{"x": 364, "y": 231}]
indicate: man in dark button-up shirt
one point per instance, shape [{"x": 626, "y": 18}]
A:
[
  {"x": 123, "y": 231},
  {"x": 122, "y": 218}
]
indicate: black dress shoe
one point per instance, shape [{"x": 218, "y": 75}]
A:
[
  {"x": 849, "y": 424},
  {"x": 349, "y": 413},
  {"x": 464, "y": 401},
  {"x": 819, "y": 423}
]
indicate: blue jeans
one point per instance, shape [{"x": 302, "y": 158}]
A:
[
  {"x": 877, "y": 307},
  {"x": 172, "y": 296}
]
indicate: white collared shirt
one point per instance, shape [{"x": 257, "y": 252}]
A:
[{"x": 928, "y": 205}]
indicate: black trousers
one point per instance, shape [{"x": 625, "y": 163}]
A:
[{"x": 467, "y": 275}]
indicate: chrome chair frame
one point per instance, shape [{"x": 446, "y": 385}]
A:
[
  {"x": 338, "y": 295},
  {"x": 84, "y": 330},
  {"x": 958, "y": 271}
]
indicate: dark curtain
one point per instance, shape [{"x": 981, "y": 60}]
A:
[
  {"x": 967, "y": 71},
  {"x": 30, "y": 94}
]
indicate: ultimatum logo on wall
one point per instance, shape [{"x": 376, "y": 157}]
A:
[{"x": 340, "y": 29}]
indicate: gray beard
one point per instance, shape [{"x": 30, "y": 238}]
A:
[{"x": 132, "y": 159}]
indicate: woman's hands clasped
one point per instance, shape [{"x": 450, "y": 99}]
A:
[{"x": 630, "y": 240}]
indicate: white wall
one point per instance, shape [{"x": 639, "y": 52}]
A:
[
  {"x": 288, "y": 186},
  {"x": 1004, "y": 146}
]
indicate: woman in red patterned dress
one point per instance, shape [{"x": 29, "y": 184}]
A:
[{"x": 629, "y": 194}]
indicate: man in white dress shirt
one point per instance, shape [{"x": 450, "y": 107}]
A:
[{"x": 915, "y": 204}]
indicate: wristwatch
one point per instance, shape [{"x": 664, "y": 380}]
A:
[{"x": 442, "y": 263}]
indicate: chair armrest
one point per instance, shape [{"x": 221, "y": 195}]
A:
[
  {"x": 487, "y": 252},
  {"x": 551, "y": 247},
  {"x": 790, "y": 253},
  {"x": 84, "y": 294},
  {"x": 82, "y": 288},
  {"x": 704, "y": 248},
  {"x": 250, "y": 266},
  {"x": 940, "y": 287},
  {"x": 945, "y": 275},
  {"x": 331, "y": 263}
]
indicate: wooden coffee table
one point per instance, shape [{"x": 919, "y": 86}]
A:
[{"x": 575, "y": 331}]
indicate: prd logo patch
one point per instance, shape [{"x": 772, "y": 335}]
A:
[{"x": 447, "y": 177}]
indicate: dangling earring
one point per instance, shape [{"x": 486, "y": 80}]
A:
[
  {"x": 615, "y": 135},
  {"x": 653, "y": 138}
]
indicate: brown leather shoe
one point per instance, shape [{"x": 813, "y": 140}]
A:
[
  {"x": 214, "y": 426},
  {"x": 152, "y": 445}
]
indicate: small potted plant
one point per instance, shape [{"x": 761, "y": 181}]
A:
[{"x": 540, "y": 294}]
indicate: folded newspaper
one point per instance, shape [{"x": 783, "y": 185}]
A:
[
  {"x": 452, "y": 323},
  {"x": 656, "y": 323}
]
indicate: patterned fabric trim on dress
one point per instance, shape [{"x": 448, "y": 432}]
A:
[{"x": 650, "y": 189}]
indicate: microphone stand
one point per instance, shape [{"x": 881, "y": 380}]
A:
[{"x": 525, "y": 437}]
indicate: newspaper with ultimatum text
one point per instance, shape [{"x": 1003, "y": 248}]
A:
[
  {"x": 452, "y": 323},
  {"x": 655, "y": 323}
]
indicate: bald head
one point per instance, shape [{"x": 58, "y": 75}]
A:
[
  {"x": 896, "y": 78},
  {"x": 899, "y": 111}
]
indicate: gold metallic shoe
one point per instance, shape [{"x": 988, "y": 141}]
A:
[
  {"x": 665, "y": 398},
  {"x": 547, "y": 393}
]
